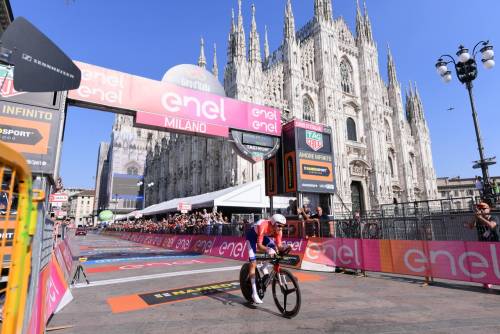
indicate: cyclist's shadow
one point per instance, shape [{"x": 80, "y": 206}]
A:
[{"x": 232, "y": 300}]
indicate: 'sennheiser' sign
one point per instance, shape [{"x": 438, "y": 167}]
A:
[{"x": 164, "y": 105}]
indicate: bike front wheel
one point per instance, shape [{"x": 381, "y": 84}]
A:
[{"x": 286, "y": 293}]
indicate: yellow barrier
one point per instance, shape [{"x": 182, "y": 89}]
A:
[{"x": 18, "y": 224}]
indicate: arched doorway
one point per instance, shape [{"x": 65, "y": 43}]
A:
[{"x": 357, "y": 199}]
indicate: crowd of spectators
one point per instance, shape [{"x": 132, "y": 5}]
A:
[{"x": 199, "y": 222}]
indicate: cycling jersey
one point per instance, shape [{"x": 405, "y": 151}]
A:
[{"x": 259, "y": 233}]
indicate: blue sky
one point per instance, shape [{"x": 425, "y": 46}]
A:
[{"x": 147, "y": 38}]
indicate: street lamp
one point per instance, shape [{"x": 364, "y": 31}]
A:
[
  {"x": 466, "y": 70},
  {"x": 149, "y": 185}
]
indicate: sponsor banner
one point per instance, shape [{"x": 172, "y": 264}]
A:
[
  {"x": 126, "y": 235},
  {"x": 169, "y": 241},
  {"x": 129, "y": 303},
  {"x": 58, "y": 198},
  {"x": 8, "y": 93},
  {"x": 155, "y": 264},
  {"x": 183, "y": 207},
  {"x": 183, "y": 243},
  {"x": 202, "y": 244},
  {"x": 37, "y": 321},
  {"x": 454, "y": 260},
  {"x": 189, "y": 292},
  {"x": 52, "y": 294},
  {"x": 230, "y": 247},
  {"x": 153, "y": 239},
  {"x": 255, "y": 147},
  {"x": 298, "y": 245},
  {"x": 64, "y": 258},
  {"x": 58, "y": 294},
  {"x": 167, "y": 106},
  {"x": 345, "y": 253},
  {"x": 32, "y": 131}
]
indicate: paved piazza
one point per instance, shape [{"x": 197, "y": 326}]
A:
[{"x": 331, "y": 303}]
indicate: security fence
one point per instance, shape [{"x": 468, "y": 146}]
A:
[
  {"x": 442, "y": 227},
  {"x": 430, "y": 207}
]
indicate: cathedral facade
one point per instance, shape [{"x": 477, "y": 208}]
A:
[{"x": 322, "y": 73}]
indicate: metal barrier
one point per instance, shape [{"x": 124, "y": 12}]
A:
[
  {"x": 17, "y": 226},
  {"x": 442, "y": 227},
  {"x": 437, "y": 227}
]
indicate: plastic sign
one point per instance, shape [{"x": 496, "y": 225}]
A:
[
  {"x": 58, "y": 198},
  {"x": 165, "y": 106},
  {"x": 183, "y": 207},
  {"x": 39, "y": 65}
]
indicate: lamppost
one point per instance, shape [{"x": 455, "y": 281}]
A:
[
  {"x": 149, "y": 185},
  {"x": 466, "y": 70}
]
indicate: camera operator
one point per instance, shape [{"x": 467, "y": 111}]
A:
[{"x": 485, "y": 224}]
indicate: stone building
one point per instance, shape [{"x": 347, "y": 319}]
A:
[
  {"x": 124, "y": 156},
  {"x": 459, "y": 193},
  {"x": 323, "y": 73},
  {"x": 81, "y": 207}
]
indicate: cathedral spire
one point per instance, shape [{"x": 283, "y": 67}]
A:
[
  {"x": 328, "y": 10},
  {"x": 202, "y": 62},
  {"x": 254, "y": 52},
  {"x": 418, "y": 103},
  {"x": 215, "y": 67},
  {"x": 322, "y": 10},
  {"x": 266, "y": 44},
  {"x": 368, "y": 25},
  {"x": 230, "y": 39},
  {"x": 319, "y": 10},
  {"x": 360, "y": 24},
  {"x": 391, "y": 68},
  {"x": 289, "y": 23},
  {"x": 240, "y": 35}
]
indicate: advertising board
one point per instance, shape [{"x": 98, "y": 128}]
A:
[
  {"x": 30, "y": 123},
  {"x": 166, "y": 106}
]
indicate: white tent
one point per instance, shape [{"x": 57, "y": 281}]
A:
[{"x": 248, "y": 195}]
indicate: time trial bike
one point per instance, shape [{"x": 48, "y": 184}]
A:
[{"x": 285, "y": 287}]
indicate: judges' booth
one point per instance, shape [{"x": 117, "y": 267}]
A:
[{"x": 303, "y": 168}]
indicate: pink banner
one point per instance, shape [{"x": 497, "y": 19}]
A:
[
  {"x": 454, "y": 260},
  {"x": 173, "y": 107},
  {"x": 203, "y": 244},
  {"x": 346, "y": 253},
  {"x": 56, "y": 288},
  {"x": 230, "y": 247},
  {"x": 153, "y": 239}
]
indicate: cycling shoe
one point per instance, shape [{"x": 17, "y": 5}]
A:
[{"x": 256, "y": 299}]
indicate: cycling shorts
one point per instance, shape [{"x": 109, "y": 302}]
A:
[{"x": 251, "y": 242}]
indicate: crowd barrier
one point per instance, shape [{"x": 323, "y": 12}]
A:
[
  {"x": 53, "y": 292},
  {"x": 469, "y": 261}
]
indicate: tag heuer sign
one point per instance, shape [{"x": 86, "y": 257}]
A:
[{"x": 314, "y": 140}]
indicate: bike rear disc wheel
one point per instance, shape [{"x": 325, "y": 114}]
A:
[
  {"x": 287, "y": 296},
  {"x": 245, "y": 285}
]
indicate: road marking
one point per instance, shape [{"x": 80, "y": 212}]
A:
[
  {"x": 136, "y": 302},
  {"x": 147, "y": 277},
  {"x": 156, "y": 264},
  {"x": 139, "y": 258}
]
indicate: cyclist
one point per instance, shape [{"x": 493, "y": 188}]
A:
[{"x": 257, "y": 239}]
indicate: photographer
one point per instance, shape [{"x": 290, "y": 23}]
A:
[{"x": 485, "y": 224}]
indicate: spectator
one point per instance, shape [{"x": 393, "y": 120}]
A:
[
  {"x": 326, "y": 225},
  {"x": 479, "y": 184},
  {"x": 486, "y": 226}
]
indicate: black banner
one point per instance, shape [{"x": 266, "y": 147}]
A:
[{"x": 167, "y": 296}]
